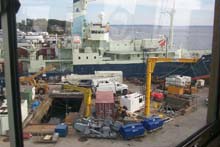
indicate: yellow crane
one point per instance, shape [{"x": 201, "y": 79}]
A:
[
  {"x": 87, "y": 92},
  {"x": 151, "y": 62},
  {"x": 41, "y": 86}
]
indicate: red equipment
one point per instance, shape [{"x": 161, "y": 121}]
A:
[{"x": 157, "y": 96}]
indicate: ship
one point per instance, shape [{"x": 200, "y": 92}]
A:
[
  {"x": 90, "y": 49},
  {"x": 94, "y": 50}
]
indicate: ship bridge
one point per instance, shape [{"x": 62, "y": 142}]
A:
[{"x": 98, "y": 31}]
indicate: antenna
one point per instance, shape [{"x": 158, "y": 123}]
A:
[{"x": 171, "y": 14}]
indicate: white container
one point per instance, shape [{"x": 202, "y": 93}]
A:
[
  {"x": 133, "y": 102},
  {"x": 200, "y": 83},
  {"x": 4, "y": 126}
]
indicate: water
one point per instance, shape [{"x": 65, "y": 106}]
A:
[{"x": 192, "y": 37}]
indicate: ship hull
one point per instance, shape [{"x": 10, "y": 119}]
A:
[{"x": 138, "y": 70}]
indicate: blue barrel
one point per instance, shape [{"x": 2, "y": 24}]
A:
[
  {"x": 132, "y": 130},
  {"x": 62, "y": 130},
  {"x": 152, "y": 123}
]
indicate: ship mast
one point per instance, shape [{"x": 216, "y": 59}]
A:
[
  {"x": 171, "y": 13},
  {"x": 79, "y": 14}
]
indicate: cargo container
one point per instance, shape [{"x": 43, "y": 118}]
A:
[
  {"x": 200, "y": 83},
  {"x": 133, "y": 102},
  {"x": 132, "y": 131},
  {"x": 104, "y": 104}
]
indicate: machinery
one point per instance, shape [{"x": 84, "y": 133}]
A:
[
  {"x": 86, "y": 105},
  {"x": 153, "y": 123},
  {"x": 97, "y": 128},
  {"x": 157, "y": 96},
  {"x": 151, "y": 62},
  {"x": 40, "y": 85},
  {"x": 132, "y": 130}
]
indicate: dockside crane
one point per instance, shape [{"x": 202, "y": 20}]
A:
[
  {"x": 151, "y": 62},
  {"x": 40, "y": 85}
]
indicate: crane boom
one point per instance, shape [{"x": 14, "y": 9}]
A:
[
  {"x": 87, "y": 92},
  {"x": 41, "y": 86},
  {"x": 151, "y": 62},
  {"x": 31, "y": 78},
  {"x": 44, "y": 70}
]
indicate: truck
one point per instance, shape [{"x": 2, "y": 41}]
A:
[
  {"x": 105, "y": 85},
  {"x": 114, "y": 86}
]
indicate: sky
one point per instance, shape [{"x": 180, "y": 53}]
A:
[{"x": 150, "y": 12}]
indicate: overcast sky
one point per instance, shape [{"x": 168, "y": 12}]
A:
[{"x": 188, "y": 12}]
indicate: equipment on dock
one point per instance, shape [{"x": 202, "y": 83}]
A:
[
  {"x": 131, "y": 131},
  {"x": 133, "y": 102},
  {"x": 178, "y": 85},
  {"x": 96, "y": 128},
  {"x": 153, "y": 123},
  {"x": 49, "y": 138},
  {"x": 62, "y": 130},
  {"x": 200, "y": 83},
  {"x": 86, "y": 105},
  {"x": 178, "y": 80},
  {"x": 157, "y": 96},
  {"x": 40, "y": 85},
  {"x": 151, "y": 62},
  {"x": 175, "y": 90}
]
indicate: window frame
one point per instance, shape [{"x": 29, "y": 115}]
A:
[
  {"x": 212, "y": 130},
  {"x": 8, "y": 9},
  {"x": 200, "y": 138}
]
